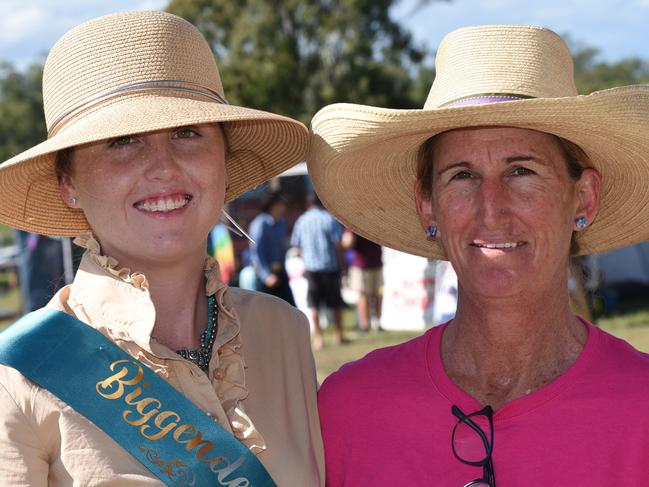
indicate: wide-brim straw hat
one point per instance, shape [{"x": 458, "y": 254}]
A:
[
  {"x": 131, "y": 73},
  {"x": 363, "y": 159}
]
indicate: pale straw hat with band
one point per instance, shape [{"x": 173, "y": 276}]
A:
[
  {"x": 363, "y": 159},
  {"x": 130, "y": 73}
]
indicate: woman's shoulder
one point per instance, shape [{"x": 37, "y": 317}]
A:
[
  {"x": 263, "y": 310},
  {"x": 618, "y": 355},
  {"x": 613, "y": 368}
]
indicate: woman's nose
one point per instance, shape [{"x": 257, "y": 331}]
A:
[
  {"x": 161, "y": 161},
  {"x": 494, "y": 203}
]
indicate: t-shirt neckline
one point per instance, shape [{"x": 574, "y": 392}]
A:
[{"x": 455, "y": 395}]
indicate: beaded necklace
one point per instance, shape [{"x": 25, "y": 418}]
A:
[{"x": 201, "y": 356}]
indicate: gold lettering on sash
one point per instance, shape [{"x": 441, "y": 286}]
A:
[
  {"x": 131, "y": 396},
  {"x": 159, "y": 422},
  {"x": 182, "y": 429},
  {"x": 196, "y": 442},
  {"x": 140, "y": 407},
  {"x": 118, "y": 378},
  {"x": 154, "y": 423}
]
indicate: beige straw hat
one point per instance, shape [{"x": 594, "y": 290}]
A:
[
  {"x": 363, "y": 159},
  {"x": 130, "y": 73}
]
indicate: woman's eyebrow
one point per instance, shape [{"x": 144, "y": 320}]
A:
[
  {"x": 508, "y": 160},
  {"x": 524, "y": 158},
  {"x": 454, "y": 165}
]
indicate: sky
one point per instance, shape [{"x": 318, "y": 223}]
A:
[{"x": 618, "y": 28}]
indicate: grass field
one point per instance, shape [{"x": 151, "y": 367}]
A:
[
  {"x": 9, "y": 305},
  {"x": 331, "y": 357},
  {"x": 632, "y": 326},
  {"x": 6, "y": 235},
  {"x": 11, "y": 299}
]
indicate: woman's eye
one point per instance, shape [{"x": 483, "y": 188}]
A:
[
  {"x": 522, "y": 171},
  {"x": 462, "y": 175},
  {"x": 186, "y": 133},
  {"x": 122, "y": 141}
]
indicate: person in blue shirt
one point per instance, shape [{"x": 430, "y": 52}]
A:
[
  {"x": 318, "y": 236},
  {"x": 268, "y": 253}
]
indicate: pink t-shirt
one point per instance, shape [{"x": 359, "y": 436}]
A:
[{"x": 386, "y": 421}]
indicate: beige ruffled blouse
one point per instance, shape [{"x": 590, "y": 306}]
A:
[{"x": 260, "y": 385}]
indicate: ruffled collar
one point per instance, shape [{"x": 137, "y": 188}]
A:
[
  {"x": 227, "y": 367},
  {"x": 87, "y": 241}
]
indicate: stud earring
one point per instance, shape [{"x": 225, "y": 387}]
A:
[
  {"x": 581, "y": 222},
  {"x": 431, "y": 232},
  {"x": 72, "y": 200}
]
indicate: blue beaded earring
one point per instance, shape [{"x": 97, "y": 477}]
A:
[
  {"x": 581, "y": 222},
  {"x": 431, "y": 232}
]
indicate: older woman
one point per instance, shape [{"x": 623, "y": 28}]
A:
[
  {"x": 143, "y": 152},
  {"x": 506, "y": 172}
]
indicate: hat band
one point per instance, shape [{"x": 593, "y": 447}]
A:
[
  {"x": 141, "y": 86},
  {"x": 484, "y": 98}
]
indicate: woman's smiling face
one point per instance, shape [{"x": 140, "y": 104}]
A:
[
  {"x": 505, "y": 207},
  {"x": 151, "y": 198}
]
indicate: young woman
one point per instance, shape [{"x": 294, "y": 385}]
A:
[{"x": 142, "y": 154}]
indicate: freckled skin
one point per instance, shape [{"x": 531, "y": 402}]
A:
[
  {"x": 499, "y": 185},
  {"x": 514, "y": 330},
  {"x": 110, "y": 177}
]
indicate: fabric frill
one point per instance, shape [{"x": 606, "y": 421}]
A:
[{"x": 227, "y": 367}]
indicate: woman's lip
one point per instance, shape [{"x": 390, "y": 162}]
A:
[
  {"x": 156, "y": 197},
  {"x": 511, "y": 244},
  {"x": 163, "y": 204}
]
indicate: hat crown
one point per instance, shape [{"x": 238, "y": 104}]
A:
[
  {"x": 121, "y": 49},
  {"x": 509, "y": 60}
]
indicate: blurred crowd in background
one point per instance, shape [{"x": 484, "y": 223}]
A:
[{"x": 303, "y": 255}]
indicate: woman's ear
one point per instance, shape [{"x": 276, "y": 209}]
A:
[
  {"x": 588, "y": 191},
  {"x": 424, "y": 208},
  {"x": 68, "y": 191}
]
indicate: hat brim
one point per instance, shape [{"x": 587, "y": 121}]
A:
[
  {"x": 363, "y": 161},
  {"x": 261, "y": 145}
]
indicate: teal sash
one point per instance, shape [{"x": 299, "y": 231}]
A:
[{"x": 156, "y": 424}]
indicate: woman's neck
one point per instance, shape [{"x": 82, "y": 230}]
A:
[
  {"x": 180, "y": 303},
  {"x": 177, "y": 289},
  {"x": 499, "y": 350},
  {"x": 178, "y": 293}
]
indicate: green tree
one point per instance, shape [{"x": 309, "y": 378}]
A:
[
  {"x": 22, "y": 123},
  {"x": 593, "y": 74},
  {"x": 296, "y": 56}
]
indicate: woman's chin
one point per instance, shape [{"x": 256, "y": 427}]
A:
[
  {"x": 497, "y": 282},
  {"x": 146, "y": 252}
]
